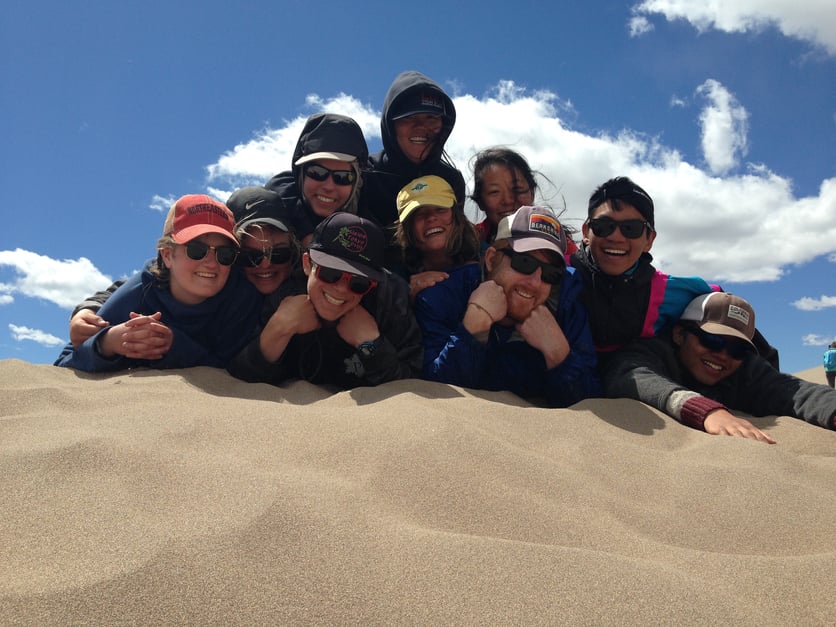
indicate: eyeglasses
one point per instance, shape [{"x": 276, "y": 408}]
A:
[
  {"x": 225, "y": 255},
  {"x": 632, "y": 229},
  {"x": 526, "y": 264},
  {"x": 358, "y": 284},
  {"x": 736, "y": 349},
  {"x": 275, "y": 255},
  {"x": 321, "y": 173}
]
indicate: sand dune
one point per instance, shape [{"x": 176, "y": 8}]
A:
[{"x": 190, "y": 497}]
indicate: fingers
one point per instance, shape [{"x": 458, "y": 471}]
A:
[
  {"x": 141, "y": 319},
  {"x": 84, "y": 325},
  {"x": 721, "y": 422},
  {"x": 423, "y": 280},
  {"x": 750, "y": 432}
]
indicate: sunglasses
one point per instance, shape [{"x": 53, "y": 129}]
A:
[
  {"x": 736, "y": 349},
  {"x": 358, "y": 284},
  {"x": 631, "y": 229},
  {"x": 197, "y": 250},
  {"x": 321, "y": 173},
  {"x": 276, "y": 255},
  {"x": 526, "y": 264}
]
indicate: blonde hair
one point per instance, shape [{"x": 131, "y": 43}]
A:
[{"x": 350, "y": 205}]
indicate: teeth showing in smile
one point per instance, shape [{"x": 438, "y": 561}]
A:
[
  {"x": 613, "y": 251},
  {"x": 206, "y": 275},
  {"x": 712, "y": 365},
  {"x": 325, "y": 199},
  {"x": 418, "y": 140},
  {"x": 523, "y": 293},
  {"x": 334, "y": 301},
  {"x": 434, "y": 231}
]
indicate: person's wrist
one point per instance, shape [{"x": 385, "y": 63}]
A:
[
  {"x": 100, "y": 345},
  {"x": 369, "y": 347},
  {"x": 479, "y": 307}
]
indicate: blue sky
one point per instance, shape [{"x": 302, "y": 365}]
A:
[{"x": 727, "y": 116}]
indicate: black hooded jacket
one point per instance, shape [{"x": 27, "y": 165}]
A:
[
  {"x": 323, "y": 132},
  {"x": 618, "y": 305},
  {"x": 390, "y": 168}
]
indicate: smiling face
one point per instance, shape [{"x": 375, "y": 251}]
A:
[
  {"x": 431, "y": 226},
  {"x": 331, "y": 300},
  {"x": 266, "y": 276},
  {"x": 417, "y": 134},
  {"x": 503, "y": 191},
  {"x": 523, "y": 292},
  {"x": 616, "y": 254},
  {"x": 706, "y": 366},
  {"x": 193, "y": 281},
  {"x": 326, "y": 197}
]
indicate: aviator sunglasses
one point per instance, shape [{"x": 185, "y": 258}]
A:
[
  {"x": 526, "y": 264},
  {"x": 321, "y": 173},
  {"x": 197, "y": 250},
  {"x": 719, "y": 343},
  {"x": 360, "y": 285},
  {"x": 631, "y": 229},
  {"x": 276, "y": 256}
]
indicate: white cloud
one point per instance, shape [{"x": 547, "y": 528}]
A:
[
  {"x": 162, "y": 203},
  {"x": 753, "y": 207},
  {"x": 814, "y": 339},
  {"x": 63, "y": 282},
  {"x": 815, "y": 304},
  {"x": 724, "y": 125},
  {"x": 809, "y": 20},
  {"x": 35, "y": 335},
  {"x": 270, "y": 150},
  {"x": 639, "y": 25}
]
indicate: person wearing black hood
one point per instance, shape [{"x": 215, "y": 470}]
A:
[
  {"x": 327, "y": 172},
  {"x": 416, "y": 121}
]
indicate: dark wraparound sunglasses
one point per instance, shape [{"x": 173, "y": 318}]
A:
[
  {"x": 225, "y": 255},
  {"x": 358, "y": 284},
  {"x": 526, "y": 264},
  {"x": 321, "y": 173},
  {"x": 276, "y": 255},
  {"x": 631, "y": 229},
  {"x": 736, "y": 349}
]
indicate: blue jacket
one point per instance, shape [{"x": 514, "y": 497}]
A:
[
  {"x": 829, "y": 360},
  {"x": 505, "y": 362},
  {"x": 207, "y": 334}
]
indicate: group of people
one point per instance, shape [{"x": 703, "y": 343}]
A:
[{"x": 352, "y": 269}]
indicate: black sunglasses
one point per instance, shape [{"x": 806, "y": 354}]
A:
[
  {"x": 225, "y": 255},
  {"x": 632, "y": 229},
  {"x": 358, "y": 284},
  {"x": 526, "y": 264},
  {"x": 736, "y": 349},
  {"x": 321, "y": 173},
  {"x": 276, "y": 255}
]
